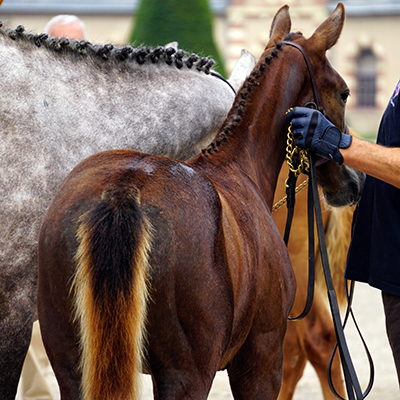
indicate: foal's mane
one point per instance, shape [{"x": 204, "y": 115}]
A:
[
  {"x": 107, "y": 53},
  {"x": 241, "y": 102}
]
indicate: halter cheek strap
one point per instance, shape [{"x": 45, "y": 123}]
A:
[{"x": 317, "y": 98}]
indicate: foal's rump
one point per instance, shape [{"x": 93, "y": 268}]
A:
[
  {"x": 123, "y": 238},
  {"x": 107, "y": 238}
]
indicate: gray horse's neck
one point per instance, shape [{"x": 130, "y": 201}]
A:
[
  {"x": 83, "y": 94},
  {"x": 64, "y": 101},
  {"x": 104, "y": 55}
]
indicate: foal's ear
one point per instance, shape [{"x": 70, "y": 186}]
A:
[
  {"x": 327, "y": 34},
  {"x": 280, "y": 27}
]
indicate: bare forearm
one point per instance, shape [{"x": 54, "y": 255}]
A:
[{"x": 375, "y": 160}]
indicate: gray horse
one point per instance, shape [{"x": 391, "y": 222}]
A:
[{"x": 62, "y": 101}]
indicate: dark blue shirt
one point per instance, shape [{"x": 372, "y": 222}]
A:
[{"x": 374, "y": 255}]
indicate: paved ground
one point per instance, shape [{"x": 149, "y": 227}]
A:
[{"x": 368, "y": 310}]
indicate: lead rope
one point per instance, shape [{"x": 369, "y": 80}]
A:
[
  {"x": 284, "y": 200},
  {"x": 297, "y": 160},
  {"x": 314, "y": 206},
  {"x": 350, "y": 376},
  {"x": 349, "y": 312},
  {"x": 352, "y": 385}
]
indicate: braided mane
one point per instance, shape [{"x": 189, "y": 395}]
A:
[
  {"x": 238, "y": 109},
  {"x": 239, "y": 106},
  {"x": 103, "y": 53}
]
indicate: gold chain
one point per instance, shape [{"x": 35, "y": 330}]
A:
[
  {"x": 281, "y": 202},
  {"x": 293, "y": 151}
]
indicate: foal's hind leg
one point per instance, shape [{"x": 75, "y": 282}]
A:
[
  {"x": 59, "y": 333},
  {"x": 183, "y": 356},
  {"x": 256, "y": 371},
  {"x": 61, "y": 346},
  {"x": 174, "y": 385}
]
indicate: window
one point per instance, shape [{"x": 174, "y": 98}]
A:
[{"x": 367, "y": 74}]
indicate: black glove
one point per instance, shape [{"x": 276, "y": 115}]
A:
[{"x": 314, "y": 132}]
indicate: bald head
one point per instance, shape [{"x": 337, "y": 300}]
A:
[{"x": 68, "y": 26}]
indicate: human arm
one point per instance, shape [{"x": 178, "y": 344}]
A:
[
  {"x": 315, "y": 133},
  {"x": 373, "y": 159}
]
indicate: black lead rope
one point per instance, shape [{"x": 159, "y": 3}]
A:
[
  {"x": 351, "y": 381},
  {"x": 291, "y": 200},
  {"x": 352, "y": 385},
  {"x": 349, "y": 311}
]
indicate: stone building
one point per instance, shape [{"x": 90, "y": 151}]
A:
[{"x": 367, "y": 54}]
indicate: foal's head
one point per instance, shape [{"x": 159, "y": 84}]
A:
[{"x": 341, "y": 185}]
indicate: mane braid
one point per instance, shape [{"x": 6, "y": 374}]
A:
[
  {"x": 238, "y": 109},
  {"x": 100, "y": 53}
]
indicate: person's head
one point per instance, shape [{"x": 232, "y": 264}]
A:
[{"x": 68, "y": 26}]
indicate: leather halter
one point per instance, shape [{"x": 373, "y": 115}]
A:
[
  {"x": 217, "y": 75},
  {"x": 353, "y": 388},
  {"x": 317, "y": 98}
]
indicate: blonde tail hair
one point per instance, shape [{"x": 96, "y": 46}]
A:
[{"x": 111, "y": 293}]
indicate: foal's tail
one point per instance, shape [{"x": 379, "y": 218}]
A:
[{"x": 111, "y": 291}]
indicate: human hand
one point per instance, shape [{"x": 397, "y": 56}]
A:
[{"x": 314, "y": 132}]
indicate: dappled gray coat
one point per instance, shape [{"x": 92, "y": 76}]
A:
[{"x": 62, "y": 101}]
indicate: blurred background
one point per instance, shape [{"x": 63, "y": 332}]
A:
[{"x": 367, "y": 54}]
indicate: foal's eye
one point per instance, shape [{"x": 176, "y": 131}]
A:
[{"x": 344, "y": 96}]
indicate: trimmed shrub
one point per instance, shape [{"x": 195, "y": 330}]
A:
[{"x": 189, "y": 22}]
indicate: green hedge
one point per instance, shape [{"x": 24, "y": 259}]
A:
[{"x": 189, "y": 22}]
